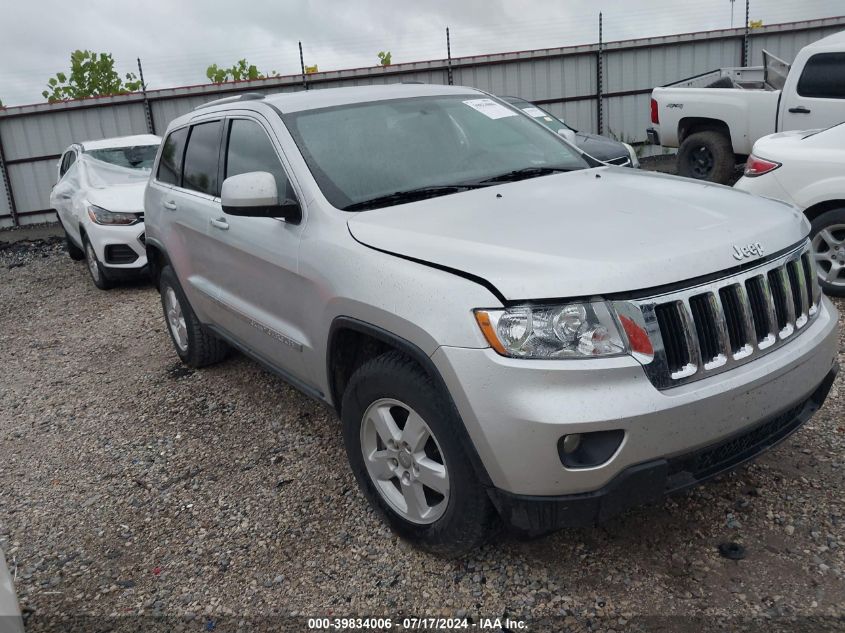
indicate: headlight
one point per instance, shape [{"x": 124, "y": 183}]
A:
[
  {"x": 100, "y": 215},
  {"x": 635, "y": 161},
  {"x": 573, "y": 330}
]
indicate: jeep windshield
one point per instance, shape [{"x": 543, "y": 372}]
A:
[{"x": 382, "y": 153}]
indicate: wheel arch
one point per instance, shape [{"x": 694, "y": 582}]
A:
[
  {"x": 157, "y": 258},
  {"x": 352, "y": 342},
  {"x": 691, "y": 125},
  {"x": 815, "y": 210}
]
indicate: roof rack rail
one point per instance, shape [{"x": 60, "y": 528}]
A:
[{"x": 247, "y": 96}]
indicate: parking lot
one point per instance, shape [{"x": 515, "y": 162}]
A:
[{"x": 132, "y": 485}]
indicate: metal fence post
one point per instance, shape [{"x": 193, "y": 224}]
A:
[
  {"x": 599, "y": 81},
  {"x": 448, "y": 57},
  {"x": 8, "y": 183},
  {"x": 151, "y": 128},
  {"x": 302, "y": 67}
]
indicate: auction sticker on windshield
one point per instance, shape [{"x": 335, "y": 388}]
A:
[
  {"x": 535, "y": 112},
  {"x": 490, "y": 108}
]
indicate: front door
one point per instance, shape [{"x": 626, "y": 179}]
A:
[
  {"x": 818, "y": 100},
  {"x": 255, "y": 272}
]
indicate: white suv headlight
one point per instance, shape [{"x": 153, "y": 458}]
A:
[
  {"x": 99, "y": 215},
  {"x": 572, "y": 330}
]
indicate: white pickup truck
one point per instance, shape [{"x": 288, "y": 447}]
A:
[{"x": 716, "y": 117}]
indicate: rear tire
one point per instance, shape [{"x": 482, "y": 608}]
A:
[
  {"x": 98, "y": 274},
  {"x": 393, "y": 469},
  {"x": 707, "y": 156},
  {"x": 195, "y": 344},
  {"x": 828, "y": 239}
]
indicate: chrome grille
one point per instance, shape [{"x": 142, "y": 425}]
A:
[{"x": 703, "y": 330}]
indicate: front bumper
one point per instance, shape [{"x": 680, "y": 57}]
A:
[
  {"x": 516, "y": 410},
  {"x": 649, "y": 482},
  {"x": 120, "y": 249}
]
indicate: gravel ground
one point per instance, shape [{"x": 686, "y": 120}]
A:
[{"x": 132, "y": 487}]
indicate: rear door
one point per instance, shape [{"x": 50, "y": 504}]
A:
[
  {"x": 818, "y": 99},
  {"x": 64, "y": 193},
  {"x": 255, "y": 272},
  {"x": 186, "y": 199}
]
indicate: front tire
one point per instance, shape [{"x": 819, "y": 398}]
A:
[
  {"x": 95, "y": 268},
  {"x": 707, "y": 156},
  {"x": 401, "y": 437},
  {"x": 194, "y": 343},
  {"x": 828, "y": 240}
]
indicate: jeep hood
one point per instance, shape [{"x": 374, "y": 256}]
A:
[{"x": 590, "y": 232}]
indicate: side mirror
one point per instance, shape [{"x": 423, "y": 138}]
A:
[
  {"x": 254, "y": 194},
  {"x": 567, "y": 134}
]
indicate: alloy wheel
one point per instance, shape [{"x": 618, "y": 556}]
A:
[
  {"x": 175, "y": 319},
  {"x": 404, "y": 461},
  {"x": 829, "y": 252},
  {"x": 91, "y": 260}
]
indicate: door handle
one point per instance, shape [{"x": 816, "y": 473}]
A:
[
  {"x": 169, "y": 204},
  {"x": 800, "y": 110},
  {"x": 220, "y": 224}
]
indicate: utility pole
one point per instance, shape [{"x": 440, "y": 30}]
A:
[
  {"x": 599, "y": 80},
  {"x": 448, "y": 56},
  {"x": 302, "y": 66},
  {"x": 148, "y": 112},
  {"x": 745, "y": 36}
]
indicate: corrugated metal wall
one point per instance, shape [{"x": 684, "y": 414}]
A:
[{"x": 563, "y": 80}]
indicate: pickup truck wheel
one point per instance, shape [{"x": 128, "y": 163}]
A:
[
  {"x": 707, "y": 156},
  {"x": 828, "y": 240},
  {"x": 194, "y": 343},
  {"x": 95, "y": 268},
  {"x": 401, "y": 438}
]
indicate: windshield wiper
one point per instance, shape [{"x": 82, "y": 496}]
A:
[
  {"x": 410, "y": 195},
  {"x": 522, "y": 174}
]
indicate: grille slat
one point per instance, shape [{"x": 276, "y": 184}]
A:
[
  {"x": 708, "y": 328},
  {"x": 705, "y": 326},
  {"x": 677, "y": 354},
  {"x": 763, "y": 324},
  {"x": 734, "y": 318},
  {"x": 778, "y": 297},
  {"x": 795, "y": 270}
]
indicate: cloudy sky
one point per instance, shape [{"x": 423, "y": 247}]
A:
[{"x": 178, "y": 39}]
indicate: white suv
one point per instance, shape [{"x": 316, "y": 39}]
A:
[
  {"x": 505, "y": 328},
  {"x": 99, "y": 199}
]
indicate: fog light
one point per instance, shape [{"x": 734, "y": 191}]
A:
[
  {"x": 571, "y": 443},
  {"x": 588, "y": 450}
]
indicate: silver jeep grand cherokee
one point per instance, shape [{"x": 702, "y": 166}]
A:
[{"x": 506, "y": 328}]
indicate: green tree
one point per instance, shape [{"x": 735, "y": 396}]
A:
[
  {"x": 241, "y": 70},
  {"x": 1, "y": 104},
  {"x": 91, "y": 74},
  {"x": 384, "y": 58}
]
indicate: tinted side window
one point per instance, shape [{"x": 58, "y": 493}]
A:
[
  {"x": 823, "y": 77},
  {"x": 202, "y": 158},
  {"x": 250, "y": 149},
  {"x": 170, "y": 165}
]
